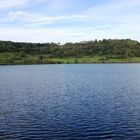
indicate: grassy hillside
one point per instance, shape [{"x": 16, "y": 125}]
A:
[{"x": 105, "y": 51}]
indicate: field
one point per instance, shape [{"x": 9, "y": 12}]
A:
[{"x": 14, "y": 58}]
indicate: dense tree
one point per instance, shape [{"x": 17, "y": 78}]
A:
[{"x": 115, "y": 48}]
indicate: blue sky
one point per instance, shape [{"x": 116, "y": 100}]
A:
[{"x": 68, "y": 20}]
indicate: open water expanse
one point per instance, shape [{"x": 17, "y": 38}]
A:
[{"x": 70, "y": 102}]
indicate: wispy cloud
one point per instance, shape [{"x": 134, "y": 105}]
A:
[
  {"x": 10, "y": 3},
  {"x": 40, "y": 35},
  {"x": 27, "y": 19}
]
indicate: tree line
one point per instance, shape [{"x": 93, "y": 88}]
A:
[{"x": 111, "y": 48}]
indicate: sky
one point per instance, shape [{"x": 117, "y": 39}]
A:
[{"x": 69, "y": 20}]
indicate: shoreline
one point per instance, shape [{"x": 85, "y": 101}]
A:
[{"x": 72, "y": 63}]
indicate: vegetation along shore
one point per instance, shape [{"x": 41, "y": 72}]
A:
[{"x": 97, "y": 51}]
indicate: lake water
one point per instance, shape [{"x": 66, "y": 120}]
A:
[{"x": 70, "y": 102}]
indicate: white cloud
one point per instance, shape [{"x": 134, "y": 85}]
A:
[
  {"x": 10, "y": 3},
  {"x": 39, "y": 35},
  {"x": 37, "y": 18},
  {"x": 63, "y": 34},
  {"x": 119, "y": 18}
]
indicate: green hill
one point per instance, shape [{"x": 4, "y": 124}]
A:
[{"x": 102, "y": 51}]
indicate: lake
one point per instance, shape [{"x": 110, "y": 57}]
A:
[{"x": 70, "y": 102}]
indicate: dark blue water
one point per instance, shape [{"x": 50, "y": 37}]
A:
[{"x": 70, "y": 102}]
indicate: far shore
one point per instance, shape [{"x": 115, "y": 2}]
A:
[{"x": 32, "y": 60}]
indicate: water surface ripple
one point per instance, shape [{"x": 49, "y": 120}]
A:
[{"x": 70, "y": 102}]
